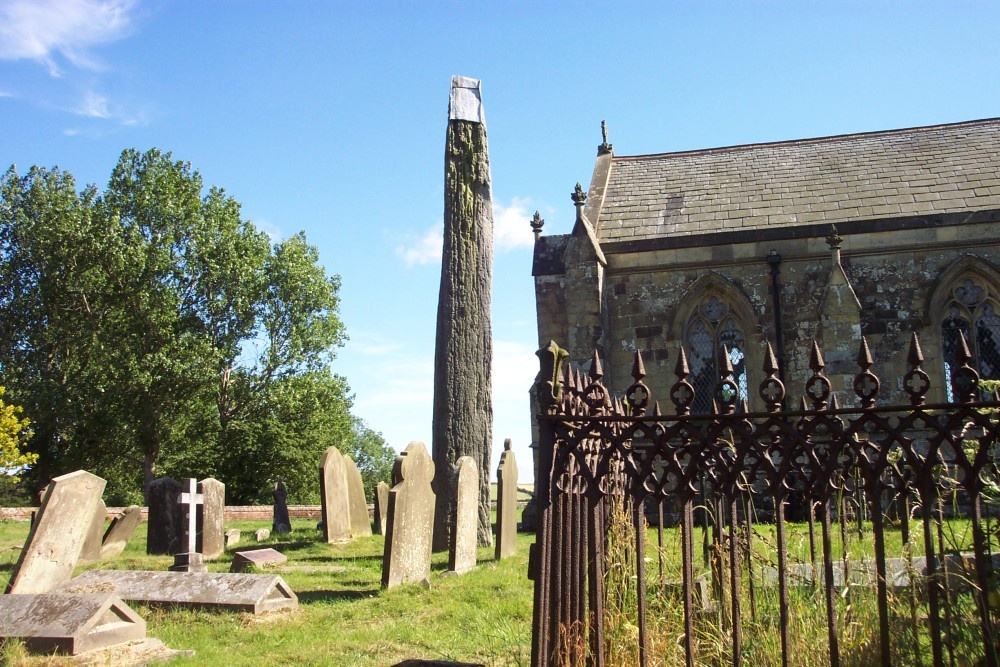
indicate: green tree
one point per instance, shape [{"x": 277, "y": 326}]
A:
[
  {"x": 147, "y": 329},
  {"x": 13, "y": 429},
  {"x": 371, "y": 454}
]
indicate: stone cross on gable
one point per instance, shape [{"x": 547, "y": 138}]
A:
[{"x": 191, "y": 499}]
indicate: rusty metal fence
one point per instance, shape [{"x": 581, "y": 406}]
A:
[{"x": 900, "y": 474}]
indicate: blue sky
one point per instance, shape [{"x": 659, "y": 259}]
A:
[{"x": 330, "y": 117}]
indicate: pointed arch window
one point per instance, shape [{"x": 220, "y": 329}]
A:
[
  {"x": 973, "y": 310},
  {"x": 712, "y": 328}
]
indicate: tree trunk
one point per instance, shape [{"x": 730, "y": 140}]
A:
[{"x": 463, "y": 407}]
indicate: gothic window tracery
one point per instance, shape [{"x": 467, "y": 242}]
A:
[
  {"x": 974, "y": 311},
  {"x": 712, "y": 328}
]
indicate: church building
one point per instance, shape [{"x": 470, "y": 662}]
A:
[{"x": 878, "y": 234}]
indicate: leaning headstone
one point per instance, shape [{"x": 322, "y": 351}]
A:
[
  {"x": 211, "y": 533},
  {"x": 232, "y": 537},
  {"x": 69, "y": 624},
  {"x": 190, "y": 560},
  {"x": 333, "y": 489},
  {"x": 381, "y": 506},
  {"x": 120, "y": 531},
  {"x": 163, "y": 529},
  {"x": 281, "y": 522},
  {"x": 506, "y": 503},
  {"x": 262, "y": 535},
  {"x": 361, "y": 523},
  {"x": 92, "y": 545},
  {"x": 253, "y": 593},
  {"x": 56, "y": 538},
  {"x": 259, "y": 559},
  {"x": 410, "y": 524},
  {"x": 462, "y": 554}
]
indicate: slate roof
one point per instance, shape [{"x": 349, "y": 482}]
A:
[{"x": 898, "y": 173}]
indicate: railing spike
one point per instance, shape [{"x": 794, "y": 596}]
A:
[
  {"x": 681, "y": 368},
  {"x": 727, "y": 363},
  {"x": 865, "y": 355},
  {"x": 638, "y": 368},
  {"x": 770, "y": 361},
  {"x": 816, "y": 363},
  {"x": 596, "y": 369},
  {"x": 915, "y": 356}
]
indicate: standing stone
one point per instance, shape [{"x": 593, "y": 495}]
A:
[
  {"x": 463, "y": 407},
  {"x": 381, "y": 506},
  {"x": 211, "y": 515},
  {"x": 56, "y": 537},
  {"x": 91, "y": 551},
  {"x": 262, "y": 534},
  {"x": 462, "y": 555},
  {"x": 233, "y": 537},
  {"x": 506, "y": 503},
  {"x": 410, "y": 524},
  {"x": 165, "y": 517},
  {"x": 361, "y": 523},
  {"x": 280, "y": 523},
  {"x": 333, "y": 489},
  {"x": 120, "y": 531}
]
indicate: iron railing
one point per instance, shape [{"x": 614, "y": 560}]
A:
[{"x": 736, "y": 473}]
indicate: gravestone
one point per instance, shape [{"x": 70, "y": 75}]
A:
[
  {"x": 381, "y": 506},
  {"x": 361, "y": 523},
  {"x": 281, "y": 523},
  {"x": 56, "y": 537},
  {"x": 253, "y": 593},
  {"x": 410, "y": 523},
  {"x": 189, "y": 560},
  {"x": 232, "y": 537},
  {"x": 120, "y": 531},
  {"x": 165, "y": 519},
  {"x": 69, "y": 624},
  {"x": 91, "y": 551},
  {"x": 257, "y": 558},
  {"x": 333, "y": 489},
  {"x": 462, "y": 554},
  {"x": 506, "y": 503},
  {"x": 262, "y": 534},
  {"x": 211, "y": 514}
]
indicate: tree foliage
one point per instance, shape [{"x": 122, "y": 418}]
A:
[
  {"x": 13, "y": 428},
  {"x": 148, "y": 329}
]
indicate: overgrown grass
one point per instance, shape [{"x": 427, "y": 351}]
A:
[{"x": 344, "y": 617}]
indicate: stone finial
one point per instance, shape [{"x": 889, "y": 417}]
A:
[
  {"x": 579, "y": 199},
  {"x": 834, "y": 241},
  {"x": 605, "y": 147},
  {"x": 536, "y": 225}
]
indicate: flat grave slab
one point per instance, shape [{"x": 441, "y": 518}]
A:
[
  {"x": 253, "y": 593},
  {"x": 70, "y": 624},
  {"x": 257, "y": 558}
]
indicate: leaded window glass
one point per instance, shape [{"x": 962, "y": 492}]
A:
[
  {"x": 972, "y": 311},
  {"x": 712, "y": 327}
]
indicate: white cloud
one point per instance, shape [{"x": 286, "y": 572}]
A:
[
  {"x": 510, "y": 225},
  {"x": 42, "y": 29},
  {"x": 424, "y": 250},
  {"x": 274, "y": 233}
]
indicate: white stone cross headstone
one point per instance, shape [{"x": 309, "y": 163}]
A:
[{"x": 191, "y": 499}]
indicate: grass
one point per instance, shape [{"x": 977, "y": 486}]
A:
[{"x": 344, "y": 617}]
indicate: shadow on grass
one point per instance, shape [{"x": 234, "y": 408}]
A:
[{"x": 307, "y": 597}]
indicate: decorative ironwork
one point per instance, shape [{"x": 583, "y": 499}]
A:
[{"x": 600, "y": 454}]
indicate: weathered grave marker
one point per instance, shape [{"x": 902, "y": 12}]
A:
[
  {"x": 257, "y": 558},
  {"x": 381, "y": 506},
  {"x": 410, "y": 524},
  {"x": 333, "y": 488},
  {"x": 163, "y": 529},
  {"x": 190, "y": 560},
  {"x": 462, "y": 554},
  {"x": 232, "y": 537},
  {"x": 254, "y": 593},
  {"x": 56, "y": 537},
  {"x": 361, "y": 523},
  {"x": 69, "y": 624},
  {"x": 120, "y": 531},
  {"x": 506, "y": 503},
  {"x": 211, "y": 536},
  {"x": 281, "y": 523},
  {"x": 262, "y": 534},
  {"x": 91, "y": 551}
]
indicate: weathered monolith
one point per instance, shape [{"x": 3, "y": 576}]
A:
[{"x": 463, "y": 407}]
